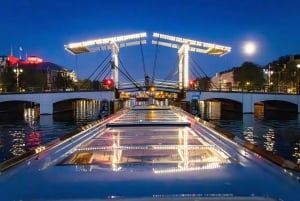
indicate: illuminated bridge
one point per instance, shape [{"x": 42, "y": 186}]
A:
[
  {"x": 152, "y": 87},
  {"x": 114, "y": 44}
]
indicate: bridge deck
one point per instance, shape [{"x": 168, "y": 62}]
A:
[{"x": 147, "y": 153}]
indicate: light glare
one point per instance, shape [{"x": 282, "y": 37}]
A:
[{"x": 249, "y": 48}]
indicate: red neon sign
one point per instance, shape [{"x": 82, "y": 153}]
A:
[{"x": 34, "y": 60}]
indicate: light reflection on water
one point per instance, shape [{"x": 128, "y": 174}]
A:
[
  {"x": 277, "y": 132},
  {"x": 269, "y": 140},
  {"x": 17, "y": 143},
  {"x": 19, "y": 134},
  {"x": 281, "y": 137}
]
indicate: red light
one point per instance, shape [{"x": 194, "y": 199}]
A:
[
  {"x": 12, "y": 60},
  {"x": 192, "y": 83},
  {"x": 108, "y": 82}
]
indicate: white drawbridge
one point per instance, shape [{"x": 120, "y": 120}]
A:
[
  {"x": 112, "y": 43},
  {"x": 184, "y": 46}
]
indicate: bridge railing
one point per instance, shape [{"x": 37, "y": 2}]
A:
[
  {"x": 172, "y": 85},
  {"x": 250, "y": 89}
]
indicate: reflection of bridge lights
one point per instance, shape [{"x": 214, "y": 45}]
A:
[
  {"x": 249, "y": 135},
  {"x": 186, "y": 153},
  {"x": 270, "y": 142},
  {"x": 297, "y": 152},
  {"x": 34, "y": 140},
  {"x": 18, "y": 146},
  {"x": 30, "y": 114},
  {"x": 117, "y": 152},
  {"x": 87, "y": 108}
]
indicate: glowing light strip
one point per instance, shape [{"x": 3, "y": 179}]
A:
[
  {"x": 109, "y": 46},
  {"x": 166, "y": 44},
  {"x": 104, "y": 41},
  {"x": 211, "y": 46},
  {"x": 188, "y": 169},
  {"x": 151, "y": 147}
]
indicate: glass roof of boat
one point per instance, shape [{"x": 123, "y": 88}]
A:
[
  {"x": 127, "y": 141},
  {"x": 150, "y": 116}
]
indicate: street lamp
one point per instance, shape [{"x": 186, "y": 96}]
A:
[
  {"x": 269, "y": 73},
  {"x": 18, "y": 71}
]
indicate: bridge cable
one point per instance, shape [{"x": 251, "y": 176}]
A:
[
  {"x": 99, "y": 66},
  {"x": 107, "y": 74},
  {"x": 126, "y": 74},
  {"x": 106, "y": 67},
  {"x": 143, "y": 58},
  {"x": 198, "y": 66},
  {"x": 203, "y": 72},
  {"x": 195, "y": 72},
  {"x": 96, "y": 69},
  {"x": 169, "y": 76},
  {"x": 155, "y": 60},
  {"x": 132, "y": 79},
  {"x": 173, "y": 73}
]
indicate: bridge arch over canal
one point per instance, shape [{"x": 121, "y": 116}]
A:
[
  {"x": 47, "y": 100},
  {"x": 248, "y": 100}
]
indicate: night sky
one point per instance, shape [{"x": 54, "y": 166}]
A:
[{"x": 43, "y": 27}]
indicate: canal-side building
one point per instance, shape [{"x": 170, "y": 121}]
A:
[
  {"x": 223, "y": 80},
  {"x": 281, "y": 75},
  {"x": 34, "y": 74}
]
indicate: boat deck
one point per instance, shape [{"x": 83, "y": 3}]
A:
[{"x": 148, "y": 153}]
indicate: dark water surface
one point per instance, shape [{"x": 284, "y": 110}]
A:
[
  {"x": 280, "y": 136},
  {"x": 20, "y": 132}
]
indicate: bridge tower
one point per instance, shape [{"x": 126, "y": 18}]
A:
[
  {"x": 114, "y": 44},
  {"x": 184, "y": 46}
]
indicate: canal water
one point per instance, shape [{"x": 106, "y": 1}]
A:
[
  {"x": 281, "y": 137},
  {"x": 19, "y": 133}
]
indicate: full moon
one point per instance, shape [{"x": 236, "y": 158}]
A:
[{"x": 249, "y": 48}]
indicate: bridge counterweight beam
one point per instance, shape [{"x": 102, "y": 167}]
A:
[
  {"x": 183, "y": 71},
  {"x": 180, "y": 78},
  {"x": 115, "y": 64},
  {"x": 186, "y": 66}
]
